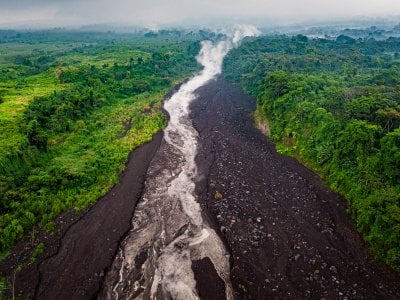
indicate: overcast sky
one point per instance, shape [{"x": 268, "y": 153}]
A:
[{"x": 160, "y": 12}]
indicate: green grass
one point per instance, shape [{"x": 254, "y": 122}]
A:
[
  {"x": 36, "y": 253},
  {"x": 16, "y": 98},
  {"x": 100, "y": 57},
  {"x": 3, "y": 287},
  {"x": 47, "y": 167},
  {"x": 95, "y": 141}
]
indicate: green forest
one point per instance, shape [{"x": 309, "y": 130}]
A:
[
  {"x": 334, "y": 104},
  {"x": 73, "y": 105}
]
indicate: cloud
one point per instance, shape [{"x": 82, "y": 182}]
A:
[{"x": 146, "y": 12}]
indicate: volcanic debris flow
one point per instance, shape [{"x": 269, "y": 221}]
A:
[{"x": 168, "y": 230}]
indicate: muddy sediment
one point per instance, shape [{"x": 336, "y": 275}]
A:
[
  {"x": 79, "y": 254},
  {"x": 88, "y": 248},
  {"x": 289, "y": 236},
  {"x": 171, "y": 251}
]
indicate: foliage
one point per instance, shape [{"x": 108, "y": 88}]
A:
[
  {"x": 3, "y": 287},
  {"x": 38, "y": 250},
  {"x": 66, "y": 103},
  {"x": 335, "y": 104}
]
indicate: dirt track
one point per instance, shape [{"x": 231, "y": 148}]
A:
[{"x": 289, "y": 235}]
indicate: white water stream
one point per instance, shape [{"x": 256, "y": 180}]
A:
[{"x": 168, "y": 230}]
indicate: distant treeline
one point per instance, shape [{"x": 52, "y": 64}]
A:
[
  {"x": 335, "y": 105},
  {"x": 103, "y": 35}
]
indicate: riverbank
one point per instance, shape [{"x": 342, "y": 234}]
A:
[
  {"x": 289, "y": 235},
  {"x": 83, "y": 246}
]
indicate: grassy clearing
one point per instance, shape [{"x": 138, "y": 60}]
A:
[{"x": 16, "y": 97}]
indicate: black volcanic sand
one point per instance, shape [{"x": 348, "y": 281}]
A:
[
  {"x": 288, "y": 234},
  {"x": 78, "y": 255}
]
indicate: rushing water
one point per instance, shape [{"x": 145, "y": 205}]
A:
[{"x": 168, "y": 230}]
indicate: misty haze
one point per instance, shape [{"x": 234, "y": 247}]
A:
[
  {"x": 199, "y": 149},
  {"x": 157, "y": 13}
]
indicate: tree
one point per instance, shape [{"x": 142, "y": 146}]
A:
[
  {"x": 36, "y": 136},
  {"x": 389, "y": 117},
  {"x": 390, "y": 156},
  {"x": 357, "y": 141}
]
